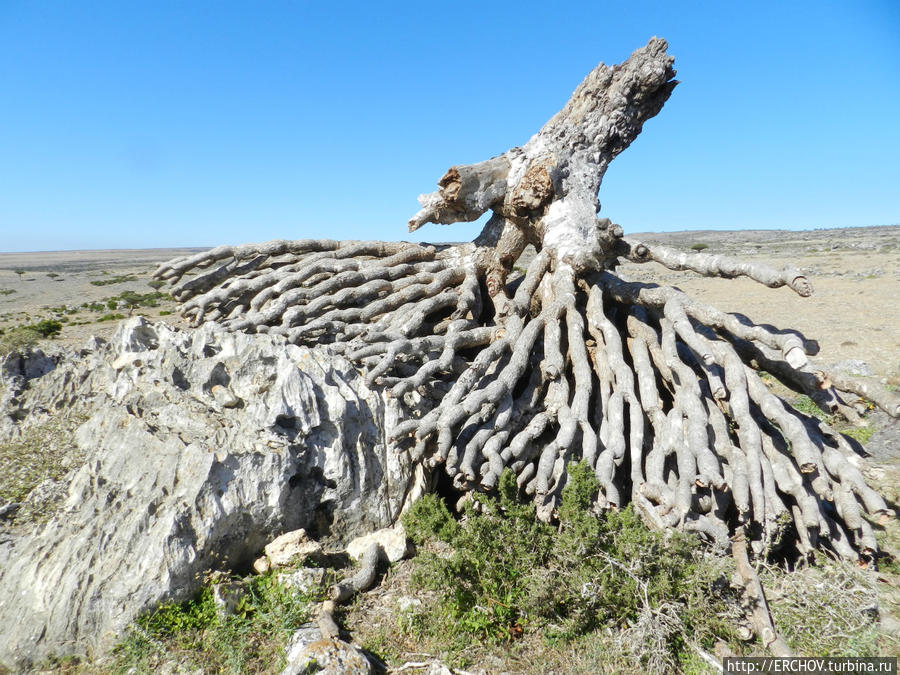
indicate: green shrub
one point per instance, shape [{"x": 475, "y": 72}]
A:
[
  {"x": 111, "y": 317},
  {"x": 47, "y": 328},
  {"x": 171, "y": 619},
  {"x": 509, "y": 573},
  {"x": 699, "y": 246},
  {"x": 19, "y": 339},
  {"x": 196, "y": 635},
  {"x": 7, "y": 291},
  {"x": 114, "y": 280}
]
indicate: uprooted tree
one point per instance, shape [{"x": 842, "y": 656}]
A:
[{"x": 569, "y": 361}]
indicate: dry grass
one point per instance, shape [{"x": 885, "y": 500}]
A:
[{"x": 41, "y": 456}]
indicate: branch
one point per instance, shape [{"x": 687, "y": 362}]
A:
[{"x": 716, "y": 266}]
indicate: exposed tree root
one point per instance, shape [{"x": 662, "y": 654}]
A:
[{"x": 660, "y": 394}]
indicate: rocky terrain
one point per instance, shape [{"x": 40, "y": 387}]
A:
[
  {"x": 197, "y": 448},
  {"x": 200, "y": 446}
]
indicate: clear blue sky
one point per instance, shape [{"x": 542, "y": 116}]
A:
[{"x": 176, "y": 123}]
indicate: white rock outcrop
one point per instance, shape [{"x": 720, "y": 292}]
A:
[{"x": 202, "y": 446}]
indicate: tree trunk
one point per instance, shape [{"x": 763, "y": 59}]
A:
[{"x": 657, "y": 392}]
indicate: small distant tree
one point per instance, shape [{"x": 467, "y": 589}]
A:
[
  {"x": 699, "y": 247},
  {"x": 19, "y": 339},
  {"x": 47, "y": 328}
]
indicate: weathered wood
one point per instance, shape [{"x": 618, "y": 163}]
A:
[{"x": 547, "y": 188}]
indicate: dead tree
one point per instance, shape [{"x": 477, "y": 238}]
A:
[{"x": 567, "y": 360}]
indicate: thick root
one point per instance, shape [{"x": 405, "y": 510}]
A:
[{"x": 649, "y": 387}]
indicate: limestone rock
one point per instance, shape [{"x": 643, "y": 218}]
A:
[
  {"x": 227, "y": 596},
  {"x": 201, "y": 445},
  {"x": 391, "y": 539},
  {"x": 261, "y": 565},
  {"x": 309, "y": 652},
  {"x": 304, "y": 579},
  {"x": 855, "y": 367},
  {"x": 289, "y": 547}
]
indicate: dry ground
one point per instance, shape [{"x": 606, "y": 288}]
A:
[
  {"x": 42, "y": 285},
  {"x": 855, "y": 273}
]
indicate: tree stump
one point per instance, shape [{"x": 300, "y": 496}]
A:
[{"x": 567, "y": 361}]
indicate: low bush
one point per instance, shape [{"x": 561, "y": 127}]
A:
[
  {"x": 47, "y": 328},
  {"x": 18, "y": 339},
  {"x": 699, "y": 246},
  {"x": 114, "y": 280},
  {"x": 195, "y": 634},
  {"x": 133, "y": 299},
  {"x": 510, "y": 574}
]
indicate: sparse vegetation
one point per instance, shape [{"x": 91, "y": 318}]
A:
[
  {"x": 807, "y": 406},
  {"x": 20, "y": 338},
  {"x": 828, "y": 610},
  {"x": 195, "y": 634},
  {"x": 126, "y": 299},
  {"x": 120, "y": 279},
  {"x": 7, "y": 291},
  {"x": 862, "y": 434},
  {"x": 42, "y": 453}
]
